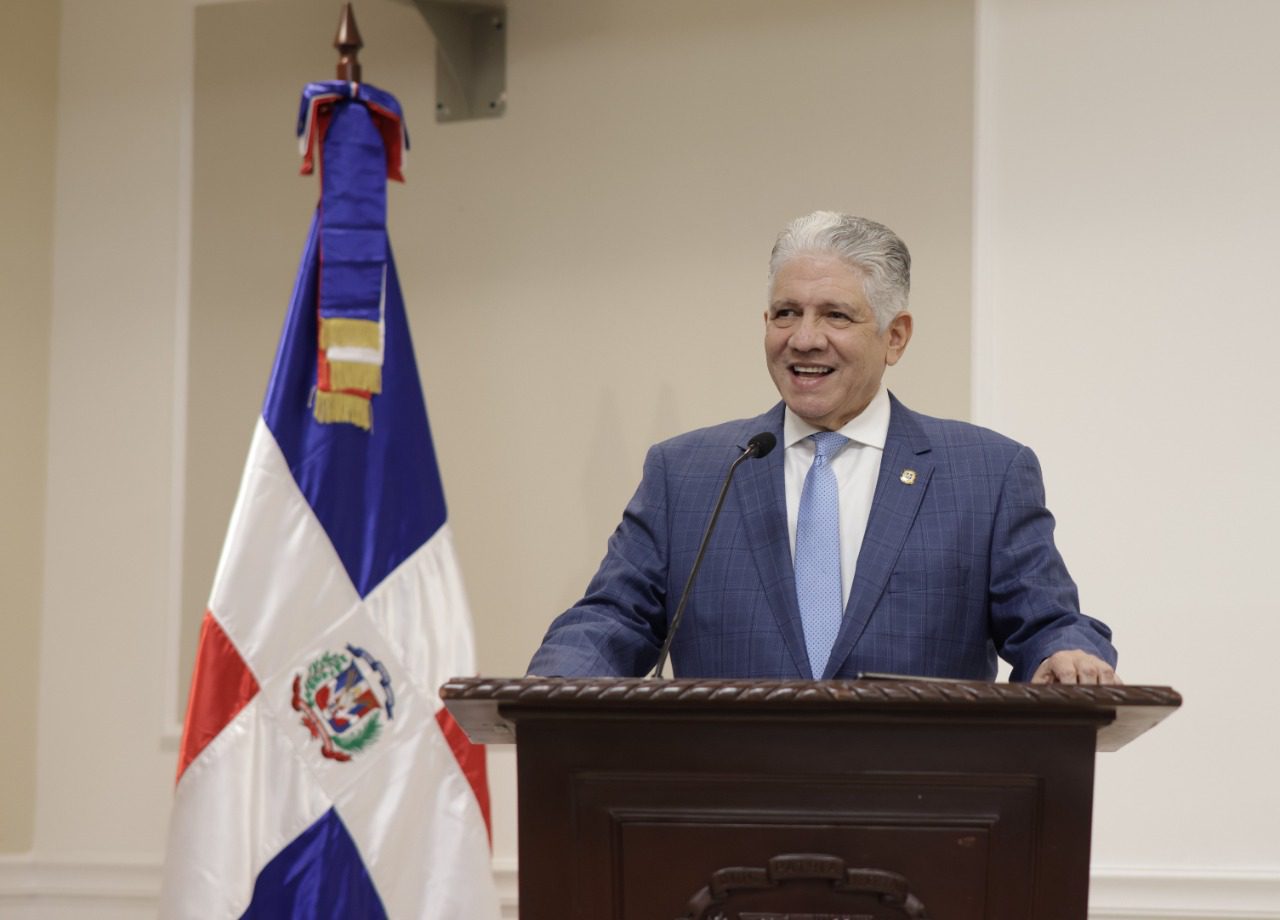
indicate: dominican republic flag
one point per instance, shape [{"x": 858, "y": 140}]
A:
[{"x": 319, "y": 775}]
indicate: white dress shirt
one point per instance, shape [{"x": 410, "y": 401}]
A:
[{"x": 856, "y": 466}]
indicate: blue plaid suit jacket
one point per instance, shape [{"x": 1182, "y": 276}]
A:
[{"x": 955, "y": 568}]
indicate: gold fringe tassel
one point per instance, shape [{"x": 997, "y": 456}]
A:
[
  {"x": 354, "y": 375},
  {"x": 343, "y": 407},
  {"x": 353, "y": 333}
]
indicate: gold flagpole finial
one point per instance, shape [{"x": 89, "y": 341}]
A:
[{"x": 348, "y": 42}]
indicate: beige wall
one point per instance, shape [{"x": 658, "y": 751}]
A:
[
  {"x": 589, "y": 268},
  {"x": 28, "y": 66},
  {"x": 104, "y": 775}
]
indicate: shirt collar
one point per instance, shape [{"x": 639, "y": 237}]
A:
[{"x": 869, "y": 427}]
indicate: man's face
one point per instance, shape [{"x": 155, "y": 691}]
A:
[{"x": 823, "y": 346}]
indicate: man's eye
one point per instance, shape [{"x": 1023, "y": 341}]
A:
[
  {"x": 839, "y": 318},
  {"x": 784, "y": 316}
]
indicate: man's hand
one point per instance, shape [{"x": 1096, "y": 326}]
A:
[{"x": 1074, "y": 667}]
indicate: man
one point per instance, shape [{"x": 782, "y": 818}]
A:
[{"x": 875, "y": 539}]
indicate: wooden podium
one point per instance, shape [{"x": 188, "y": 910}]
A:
[{"x": 804, "y": 800}]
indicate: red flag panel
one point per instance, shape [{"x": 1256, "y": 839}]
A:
[
  {"x": 471, "y": 758},
  {"x": 221, "y": 686}
]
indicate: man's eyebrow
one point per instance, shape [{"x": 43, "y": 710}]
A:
[{"x": 839, "y": 304}]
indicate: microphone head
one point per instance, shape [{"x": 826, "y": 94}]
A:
[{"x": 761, "y": 444}]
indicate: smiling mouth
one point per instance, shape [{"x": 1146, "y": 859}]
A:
[{"x": 811, "y": 370}]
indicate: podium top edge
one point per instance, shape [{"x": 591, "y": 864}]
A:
[{"x": 732, "y": 693}]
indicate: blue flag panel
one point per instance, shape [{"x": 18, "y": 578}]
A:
[
  {"x": 319, "y": 876},
  {"x": 377, "y": 493}
]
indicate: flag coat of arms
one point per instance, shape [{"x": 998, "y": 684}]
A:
[{"x": 319, "y": 775}]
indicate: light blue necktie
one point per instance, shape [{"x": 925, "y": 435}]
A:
[{"x": 818, "y": 585}]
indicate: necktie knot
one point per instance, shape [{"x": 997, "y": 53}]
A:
[{"x": 828, "y": 443}]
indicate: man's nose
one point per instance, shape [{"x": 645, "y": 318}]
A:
[{"x": 808, "y": 336}]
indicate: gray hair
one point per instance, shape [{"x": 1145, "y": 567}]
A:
[{"x": 864, "y": 245}]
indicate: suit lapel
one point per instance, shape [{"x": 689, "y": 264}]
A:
[
  {"x": 762, "y": 491},
  {"x": 893, "y": 510}
]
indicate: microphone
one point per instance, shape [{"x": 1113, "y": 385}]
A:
[{"x": 759, "y": 446}]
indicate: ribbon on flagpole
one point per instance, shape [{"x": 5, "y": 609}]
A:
[{"x": 354, "y": 135}]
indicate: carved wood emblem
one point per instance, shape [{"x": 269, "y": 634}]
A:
[{"x": 804, "y": 886}]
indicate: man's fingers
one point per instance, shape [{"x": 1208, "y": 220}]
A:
[{"x": 1075, "y": 667}]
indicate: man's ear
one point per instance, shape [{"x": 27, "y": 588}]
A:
[{"x": 897, "y": 336}]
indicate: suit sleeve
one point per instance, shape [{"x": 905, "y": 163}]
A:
[
  {"x": 1034, "y": 606},
  {"x": 618, "y": 627}
]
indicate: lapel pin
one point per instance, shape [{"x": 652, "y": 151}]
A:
[{"x": 908, "y": 477}]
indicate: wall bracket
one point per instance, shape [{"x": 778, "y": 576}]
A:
[{"x": 471, "y": 58}]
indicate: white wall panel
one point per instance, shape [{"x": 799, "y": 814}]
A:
[{"x": 1128, "y": 213}]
